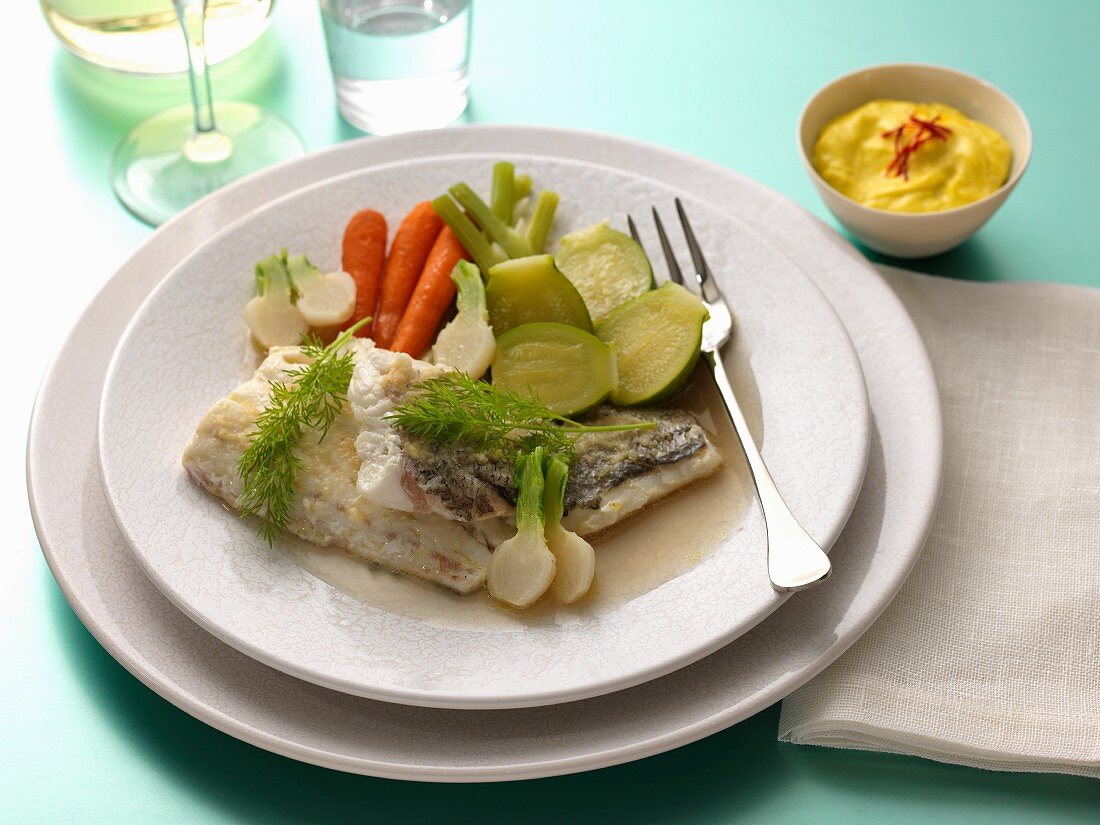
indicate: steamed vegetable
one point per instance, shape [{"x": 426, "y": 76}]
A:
[
  {"x": 467, "y": 342},
  {"x": 504, "y": 176},
  {"x": 482, "y": 252},
  {"x": 574, "y": 557},
  {"x": 521, "y": 188},
  {"x": 324, "y": 300},
  {"x": 364, "y": 251},
  {"x": 432, "y": 296},
  {"x": 656, "y": 338},
  {"x": 498, "y": 231},
  {"x": 411, "y": 246},
  {"x": 327, "y": 300},
  {"x": 527, "y": 290},
  {"x": 545, "y": 205},
  {"x": 607, "y": 267},
  {"x": 494, "y": 233},
  {"x": 523, "y": 567},
  {"x": 567, "y": 369},
  {"x": 271, "y": 316}
]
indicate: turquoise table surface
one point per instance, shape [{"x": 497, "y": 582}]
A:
[{"x": 83, "y": 741}]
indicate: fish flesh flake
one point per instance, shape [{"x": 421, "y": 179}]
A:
[{"x": 328, "y": 510}]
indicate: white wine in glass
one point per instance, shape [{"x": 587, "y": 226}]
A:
[
  {"x": 142, "y": 36},
  {"x": 177, "y": 156}
]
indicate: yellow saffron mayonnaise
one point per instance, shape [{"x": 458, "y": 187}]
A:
[{"x": 953, "y": 169}]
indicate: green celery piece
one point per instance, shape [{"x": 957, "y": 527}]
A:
[
  {"x": 513, "y": 244},
  {"x": 504, "y": 175},
  {"x": 468, "y": 235},
  {"x": 545, "y": 206},
  {"x": 521, "y": 187}
]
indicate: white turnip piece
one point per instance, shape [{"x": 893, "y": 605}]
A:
[{"x": 523, "y": 566}]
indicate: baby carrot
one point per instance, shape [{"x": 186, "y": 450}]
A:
[
  {"x": 363, "y": 253},
  {"x": 410, "y": 249},
  {"x": 433, "y": 295}
]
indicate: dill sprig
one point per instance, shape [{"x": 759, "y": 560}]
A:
[
  {"x": 310, "y": 398},
  {"x": 457, "y": 409}
]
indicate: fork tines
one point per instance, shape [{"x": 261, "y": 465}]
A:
[{"x": 699, "y": 261}]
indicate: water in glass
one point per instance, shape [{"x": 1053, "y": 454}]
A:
[{"x": 398, "y": 65}]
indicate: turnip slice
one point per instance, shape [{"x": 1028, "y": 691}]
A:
[
  {"x": 274, "y": 321},
  {"x": 326, "y": 300},
  {"x": 271, "y": 316},
  {"x": 523, "y": 566},
  {"x": 574, "y": 557}
]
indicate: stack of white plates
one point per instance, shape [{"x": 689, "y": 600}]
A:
[{"x": 262, "y": 645}]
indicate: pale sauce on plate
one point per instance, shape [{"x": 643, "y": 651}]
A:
[{"x": 653, "y": 547}]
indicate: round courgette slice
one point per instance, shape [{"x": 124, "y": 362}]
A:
[
  {"x": 567, "y": 369},
  {"x": 607, "y": 267},
  {"x": 656, "y": 337},
  {"x": 531, "y": 290}
]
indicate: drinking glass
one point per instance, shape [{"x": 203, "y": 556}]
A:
[
  {"x": 398, "y": 65},
  {"x": 181, "y": 154}
]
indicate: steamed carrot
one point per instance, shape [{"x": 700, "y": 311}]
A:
[
  {"x": 410, "y": 249},
  {"x": 433, "y": 295},
  {"x": 363, "y": 253}
]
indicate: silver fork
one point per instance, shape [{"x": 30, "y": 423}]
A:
[{"x": 795, "y": 561}]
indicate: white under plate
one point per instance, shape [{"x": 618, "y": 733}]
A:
[
  {"x": 239, "y": 696},
  {"x": 395, "y": 640}
]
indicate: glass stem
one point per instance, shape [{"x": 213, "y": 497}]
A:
[{"x": 207, "y": 145}]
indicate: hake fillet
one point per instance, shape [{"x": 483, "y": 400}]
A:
[
  {"x": 329, "y": 510},
  {"x": 614, "y": 475}
]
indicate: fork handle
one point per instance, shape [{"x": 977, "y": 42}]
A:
[{"x": 795, "y": 560}]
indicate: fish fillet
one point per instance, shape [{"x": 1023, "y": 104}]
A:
[
  {"x": 329, "y": 511},
  {"x": 614, "y": 474}
]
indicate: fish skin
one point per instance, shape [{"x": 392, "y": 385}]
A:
[
  {"x": 609, "y": 469},
  {"x": 606, "y": 460},
  {"x": 329, "y": 511},
  {"x": 614, "y": 474}
]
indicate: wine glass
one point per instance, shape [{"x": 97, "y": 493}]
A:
[{"x": 177, "y": 156}]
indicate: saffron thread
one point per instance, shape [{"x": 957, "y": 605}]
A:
[{"x": 923, "y": 131}]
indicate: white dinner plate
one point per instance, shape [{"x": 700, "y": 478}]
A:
[
  {"x": 235, "y": 694},
  {"x": 185, "y": 349}
]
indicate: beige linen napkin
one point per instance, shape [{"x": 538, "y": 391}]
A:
[{"x": 990, "y": 654}]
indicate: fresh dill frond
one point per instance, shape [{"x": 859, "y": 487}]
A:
[
  {"x": 457, "y": 409},
  {"x": 309, "y": 399}
]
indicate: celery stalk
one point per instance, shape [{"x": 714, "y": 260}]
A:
[
  {"x": 539, "y": 228},
  {"x": 504, "y": 175},
  {"x": 513, "y": 244},
  {"x": 474, "y": 242},
  {"x": 521, "y": 187}
]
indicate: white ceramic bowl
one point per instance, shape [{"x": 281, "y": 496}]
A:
[{"x": 908, "y": 234}]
